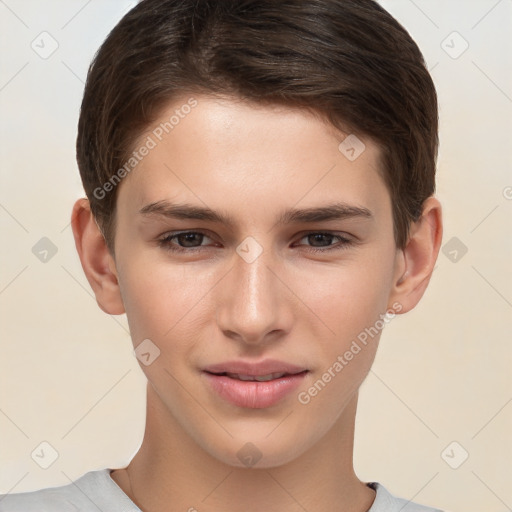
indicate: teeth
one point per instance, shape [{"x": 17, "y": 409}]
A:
[
  {"x": 259, "y": 378},
  {"x": 263, "y": 378}
]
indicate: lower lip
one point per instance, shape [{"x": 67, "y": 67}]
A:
[{"x": 254, "y": 394}]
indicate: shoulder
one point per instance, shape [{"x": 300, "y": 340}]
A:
[
  {"x": 387, "y": 502},
  {"x": 91, "y": 492}
]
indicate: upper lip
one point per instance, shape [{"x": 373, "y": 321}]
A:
[{"x": 254, "y": 369}]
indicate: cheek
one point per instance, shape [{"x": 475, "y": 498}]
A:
[
  {"x": 161, "y": 298},
  {"x": 347, "y": 298}
]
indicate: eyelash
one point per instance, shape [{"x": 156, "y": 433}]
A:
[{"x": 165, "y": 242}]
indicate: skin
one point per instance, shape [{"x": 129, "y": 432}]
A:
[{"x": 209, "y": 305}]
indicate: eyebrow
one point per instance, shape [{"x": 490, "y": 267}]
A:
[{"x": 329, "y": 212}]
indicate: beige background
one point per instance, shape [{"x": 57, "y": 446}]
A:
[{"x": 442, "y": 373}]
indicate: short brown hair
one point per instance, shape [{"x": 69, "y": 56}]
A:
[{"x": 348, "y": 60}]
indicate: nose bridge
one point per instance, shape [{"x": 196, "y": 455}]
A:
[
  {"x": 252, "y": 305},
  {"x": 256, "y": 278}
]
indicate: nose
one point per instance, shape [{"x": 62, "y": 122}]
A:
[{"x": 253, "y": 304}]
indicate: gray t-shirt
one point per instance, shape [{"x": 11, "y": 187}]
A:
[{"x": 97, "y": 492}]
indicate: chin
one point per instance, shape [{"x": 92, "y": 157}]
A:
[{"x": 258, "y": 454}]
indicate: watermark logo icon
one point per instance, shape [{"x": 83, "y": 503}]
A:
[
  {"x": 249, "y": 455},
  {"x": 454, "y": 45},
  {"x": 454, "y": 250},
  {"x": 45, "y": 45},
  {"x": 352, "y": 147},
  {"x": 454, "y": 455},
  {"x": 44, "y": 455},
  {"x": 44, "y": 250},
  {"x": 249, "y": 249},
  {"x": 146, "y": 352}
]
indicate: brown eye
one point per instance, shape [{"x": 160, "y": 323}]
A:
[
  {"x": 182, "y": 241},
  {"x": 324, "y": 241}
]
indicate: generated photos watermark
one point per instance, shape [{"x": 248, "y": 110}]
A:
[
  {"x": 151, "y": 142},
  {"x": 368, "y": 334}
]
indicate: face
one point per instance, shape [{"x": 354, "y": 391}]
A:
[{"x": 247, "y": 243}]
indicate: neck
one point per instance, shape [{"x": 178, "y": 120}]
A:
[{"x": 171, "y": 472}]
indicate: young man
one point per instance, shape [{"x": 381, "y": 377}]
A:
[{"x": 260, "y": 180}]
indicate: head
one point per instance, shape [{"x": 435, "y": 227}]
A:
[{"x": 243, "y": 111}]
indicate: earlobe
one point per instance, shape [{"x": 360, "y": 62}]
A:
[
  {"x": 97, "y": 262},
  {"x": 419, "y": 256}
]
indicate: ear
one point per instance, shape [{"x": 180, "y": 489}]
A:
[
  {"x": 97, "y": 262},
  {"x": 418, "y": 258}
]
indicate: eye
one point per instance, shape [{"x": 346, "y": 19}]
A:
[
  {"x": 325, "y": 239},
  {"x": 185, "y": 240},
  {"x": 191, "y": 241}
]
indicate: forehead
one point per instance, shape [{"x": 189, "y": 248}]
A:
[{"x": 227, "y": 152}]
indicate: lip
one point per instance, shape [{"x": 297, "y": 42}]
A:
[{"x": 254, "y": 394}]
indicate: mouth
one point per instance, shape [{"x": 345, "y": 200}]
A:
[{"x": 254, "y": 386}]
